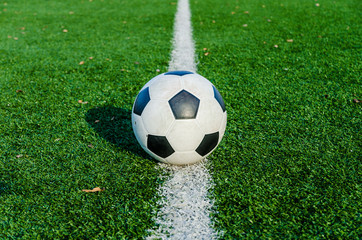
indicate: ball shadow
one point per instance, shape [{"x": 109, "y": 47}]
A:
[{"x": 114, "y": 125}]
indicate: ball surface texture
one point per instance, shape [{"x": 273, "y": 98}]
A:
[{"x": 179, "y": 117}]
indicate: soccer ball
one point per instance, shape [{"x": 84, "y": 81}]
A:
[{"x": 179, "y": 117}]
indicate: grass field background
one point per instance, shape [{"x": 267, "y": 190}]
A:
[
  {"x": 290, "y": 162},
  {"x": 52, "y": 146}
]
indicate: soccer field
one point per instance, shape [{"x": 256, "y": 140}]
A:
[{"x": 289, "y": 165}]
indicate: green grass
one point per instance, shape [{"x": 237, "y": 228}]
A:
[
  {"x": 290, "y": 162},
  {"x": 51, "y": 146}
]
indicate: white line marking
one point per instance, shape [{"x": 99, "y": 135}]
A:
[
  {"x": 183, "y": 53},
  {"x": 186, "y": 208},
  {"x": 185, "y": 205}
]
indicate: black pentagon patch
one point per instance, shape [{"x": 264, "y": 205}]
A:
[
  {"x": 218, "y": 98},
  {"x": 178, "y": 73},
  {"x": 159, "y": 145},
  {"x": 208, "y": 143},
  {"x": 184, "y": 105},
  {"x": 141, "y": 101}
]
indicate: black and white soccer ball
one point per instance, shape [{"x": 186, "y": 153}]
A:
[{"x": 179, "y": 117}]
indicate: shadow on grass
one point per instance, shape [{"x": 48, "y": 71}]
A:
[{"x": 114, "y": 125}]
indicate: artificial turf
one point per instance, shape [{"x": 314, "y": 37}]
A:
[
  {"x": 288, "y": 70},
  {"x": 290, "y": 162},
  {"x": 69, "y": 73}
]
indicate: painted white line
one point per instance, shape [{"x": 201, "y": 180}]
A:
[
  {"x": 186, "y": 208},
  {"x": 183, "y": 53}
]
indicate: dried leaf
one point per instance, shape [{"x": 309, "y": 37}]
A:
[
  {"x": 356, "y": 100},
  {"x": 19, "y": 91},
  {"x": 290, "y": 40},
  {"x": 81, "y": 62},
  {"x": 81, "y": 102},
  {"x": 97, "y": 189}
]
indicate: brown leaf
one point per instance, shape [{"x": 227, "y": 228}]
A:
[
  {"x": 356, "y": 100},
  {"x": 91, "y": 146},
  {"x": 97, "y": 189},
  {"x": 81, "y": 102},
  {"x": 19, "y": 91}
]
